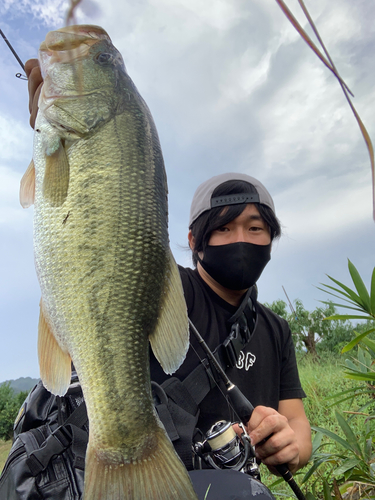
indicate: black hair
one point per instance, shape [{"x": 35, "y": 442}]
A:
[{"x": 217, "y": 217}]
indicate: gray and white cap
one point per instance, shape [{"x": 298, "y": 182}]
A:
[{"x": 202, "y": 199}]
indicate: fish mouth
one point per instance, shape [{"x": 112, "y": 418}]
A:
[
  {"x": 69, "y": 44},
  {"x": 71, "y": 37}
]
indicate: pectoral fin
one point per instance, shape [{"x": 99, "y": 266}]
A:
[
  {"x": 27, "y": 188},
  {"x": 54, "y": 363},
  {"x": 56, "y": 177},
  {"x": 170, "y": 340}
]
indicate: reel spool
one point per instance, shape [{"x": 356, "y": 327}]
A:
[{"x": 224, "y": 449}]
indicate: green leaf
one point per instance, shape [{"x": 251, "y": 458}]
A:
[
  {"x": 370, "y": 343},
  {"x": 316, "y": 442},
  {"x": 310, "y": 496},
  {"x": 360, "y": 286},
  {"x": 373, "y": 292},
  {"x": 342, "y": 294},
  {"x": 360, "y": 376},
  {"x": 326, "y": 490},
  {"x": 348, "y": 464},
  {"x": 315, "y": 466},
  {"x": 335, "y": 437},
  {"x": 363, "y": 360},
  {"x": 355, "y": 341},
  {"x": 368, "y": 449},
  {"x": 349, "y": 363},
  {"x": 350, "y": 436},
  {"x": 328, "y": 302},
  {"x": 352, "y": 295}
]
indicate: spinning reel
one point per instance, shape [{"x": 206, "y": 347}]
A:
[{"x": 224, "y": 449}]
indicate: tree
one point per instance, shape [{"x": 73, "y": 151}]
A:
[
  {"x": 309, "y": 327},
  {"x": 9, "y": 406}
]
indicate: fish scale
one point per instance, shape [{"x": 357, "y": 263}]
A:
[{"x": 108, "y": 279}]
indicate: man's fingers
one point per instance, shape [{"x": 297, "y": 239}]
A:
[
  {"x": 264, "y": 422},
  {"x": 282, "y": 444},
  {"x": 288, "y": 455},
  {"x": 35, "y": 82},
  {"x": 30, "y": 64}
]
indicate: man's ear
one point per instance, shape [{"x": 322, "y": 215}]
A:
[{"x": 191, "y": 241}]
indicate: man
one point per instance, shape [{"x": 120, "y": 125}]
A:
[
  {"x": 231, "y": 229},
  {"x": 232, "y": 225}
]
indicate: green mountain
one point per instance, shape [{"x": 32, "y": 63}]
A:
[{"x": 21, "y": 384}]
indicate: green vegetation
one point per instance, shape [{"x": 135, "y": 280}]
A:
[
  {"x": 10, "y": 404},
  {"x": 322, "y": 380},
  {"x": 11, "y": 399},
  {"x": 4, "y": 452},
  {"x": 341, "y": 404}
]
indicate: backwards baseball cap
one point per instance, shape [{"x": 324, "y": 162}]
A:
[{"x": 202, "y": 199}]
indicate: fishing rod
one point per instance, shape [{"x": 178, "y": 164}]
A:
[
  {"x": 290, "y": 304},
  {"x": 18, "y": 75},
  {"x": 242, "y": 406}
]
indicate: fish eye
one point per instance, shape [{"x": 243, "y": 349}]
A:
[{"x": 104, "y": 58}]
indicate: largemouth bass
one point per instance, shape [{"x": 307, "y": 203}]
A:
[{"x": 108, "y": 280}]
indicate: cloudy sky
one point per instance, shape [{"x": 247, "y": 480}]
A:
[{"x": 232, "y": 87}]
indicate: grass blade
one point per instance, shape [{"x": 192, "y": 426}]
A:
[
  {"x": 310, "y": 43},
  {"x": 373, "y": 293},
  {"x": 326, "y": 490},
  {"x": 335, "y": 437},
  {"x": 355, "y": 341},
  {"x": 350, "y": 436},
  {"x": 317, "y": 442},
  {"x": 314, "y": 467},
  {"x": 354, "y": 375}
]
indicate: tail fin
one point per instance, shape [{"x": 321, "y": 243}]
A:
[{"x": 160, "y": 476}]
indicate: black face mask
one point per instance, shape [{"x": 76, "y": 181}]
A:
[{"x": 236, "y": 266}]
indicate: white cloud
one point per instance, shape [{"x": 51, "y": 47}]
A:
[
  {"x": 49, "y": 12},
  {"x": 319, "y": 208},
  {"x": 12, "y": 216},
  {"x": 15, "y": 139}
]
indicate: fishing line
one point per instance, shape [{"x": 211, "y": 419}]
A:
[{"x": 215, "y": 382}]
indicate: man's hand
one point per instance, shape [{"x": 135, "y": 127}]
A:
[
  {"x": 35, "y": 82},
  {"x": 274, "y": 440},
  {"x": 282, "y": 437}
]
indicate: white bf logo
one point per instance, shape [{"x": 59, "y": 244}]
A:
[{"x": 245, "y": 361}]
